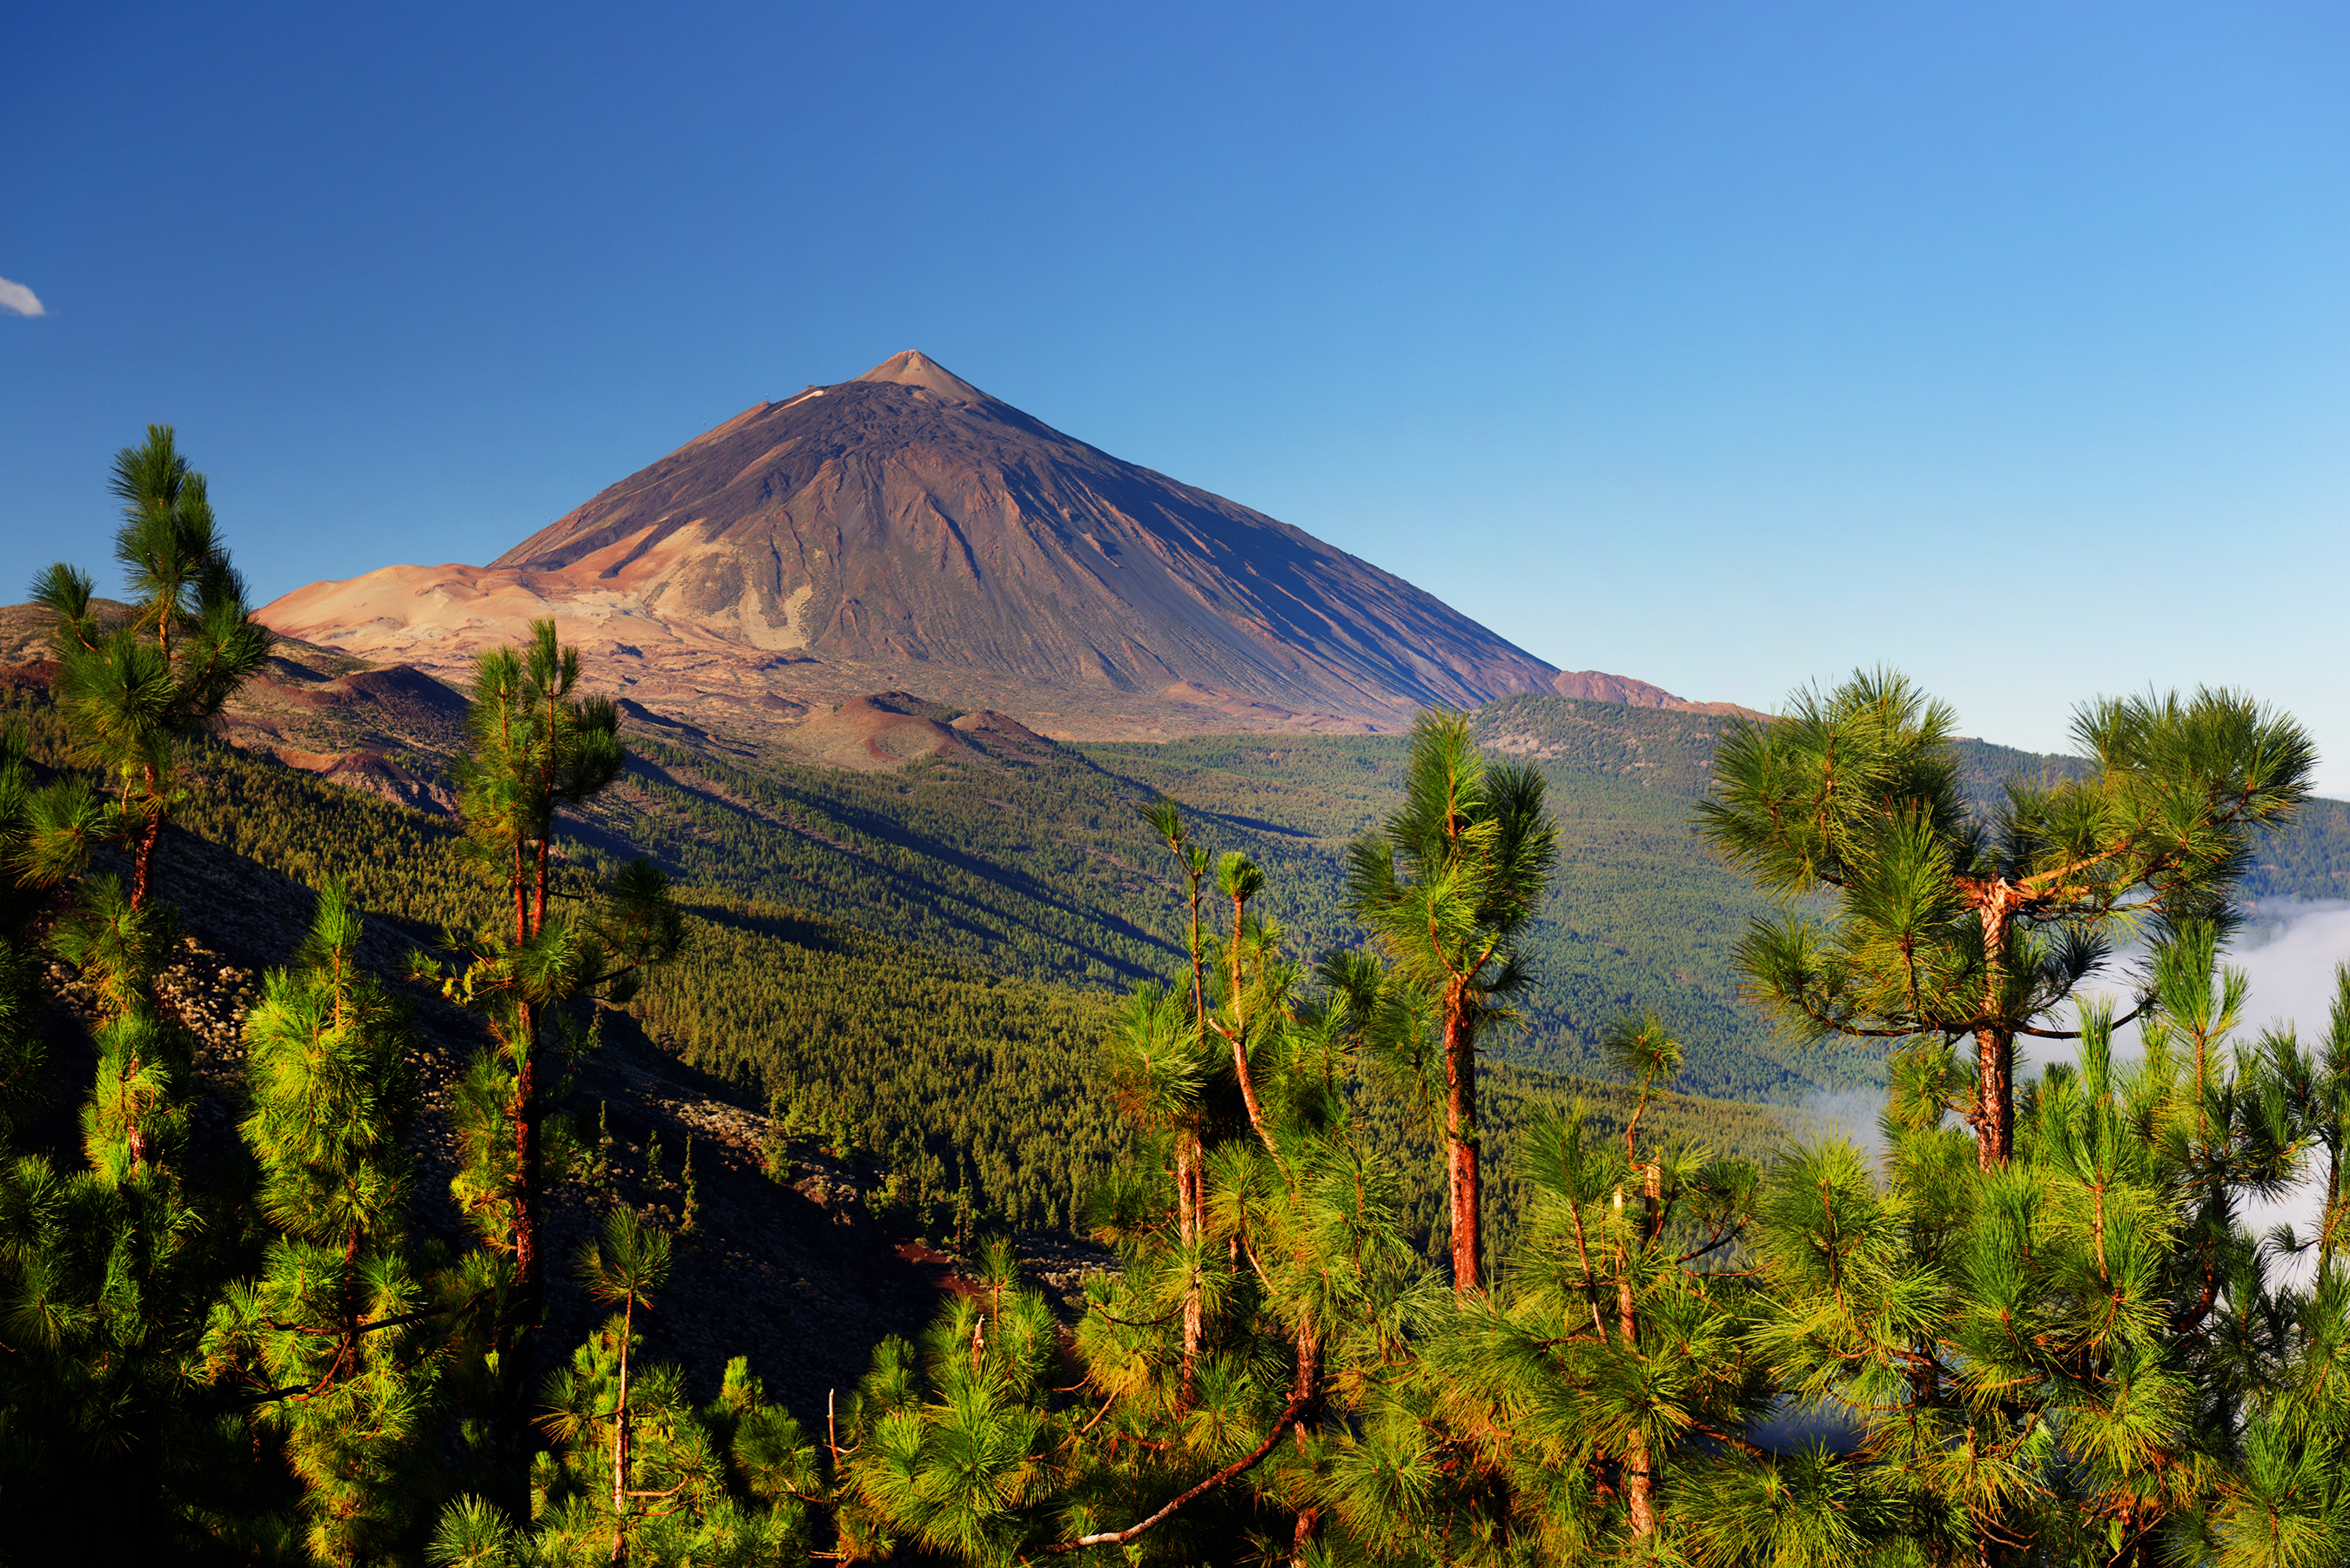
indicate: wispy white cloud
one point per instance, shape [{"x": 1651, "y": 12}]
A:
[{"x": 19, "y": 300}]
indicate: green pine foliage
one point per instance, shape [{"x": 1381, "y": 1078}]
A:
[
  {"x": 1945, "y": 916},
  {"x": 107, "y": 1273},
  {"x": 332, "y": 1343},
  {"x": 637, "y": 1474},
  {"x": 940, "y": 1069},
  {"x": 1448, "y": 887},
  {"x": 131, "y": 687},
  {"x": 548, "y": 955}
]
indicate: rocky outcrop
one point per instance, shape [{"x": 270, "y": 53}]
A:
[{"x": 1598, "y": 686}]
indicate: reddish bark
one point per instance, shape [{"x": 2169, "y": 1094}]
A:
[
  {"x": 1997, "y": 902},
  {"x": 1994, "y": 1114},
  {"x": 1461, "y": 1142},
  {"x": 143, "y": 848},
  {"x": 620, "y": 1441},
  {"x": 524, "y": 1111},
  {"x": 1303, "y": 1536},
  {"x": 1640, "y": 1473},
  {"x": 1187, "y": 1196}
]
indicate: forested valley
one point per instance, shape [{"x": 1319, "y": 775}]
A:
[{"x": 1346, "y": 1150}]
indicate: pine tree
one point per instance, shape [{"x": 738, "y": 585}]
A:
[
  {"x": 1447, "y": 888},
  {"x": 2050, "y": 1360},
  {"x": 1609, "y": 1378},
  {"x": 623, "y": 1269},
  {"x": 137, "y": 1111},
  {"x": 106, "y": 1276},
  {"x": 335, "y": 1330},
  {"x": 24, "y": 1054},
  {"x": 133, "y": 689},
  {"x": 536, "y": 749},
  {"x": 1289, "y": 1396},
  {"x": 637, "y": 1473},
  {"x": 1956, "y": 920},
  {"x": 1164, "y": 1070}
]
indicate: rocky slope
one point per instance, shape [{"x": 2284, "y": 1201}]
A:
[
  {"x": 388, "y": 730},
  {"x": 1598, "y": 686}
]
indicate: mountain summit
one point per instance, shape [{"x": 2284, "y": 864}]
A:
[
  {"x": 908, "y": 519},
  {"x": 916, "y": 368}
]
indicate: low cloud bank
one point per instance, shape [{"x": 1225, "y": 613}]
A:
[
  {"x": 2287, "y": 954},
  {"x": 1851, "y": 1114},
  {"x": 2290, "y": 957}
]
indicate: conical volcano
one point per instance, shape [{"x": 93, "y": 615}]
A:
[{"x": 908, "y": 519}]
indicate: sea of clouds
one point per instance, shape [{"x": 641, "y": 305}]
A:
[{"x": 2287, "y": 953}]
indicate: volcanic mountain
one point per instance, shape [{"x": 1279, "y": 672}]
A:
[{"x": 905, "y": 529}]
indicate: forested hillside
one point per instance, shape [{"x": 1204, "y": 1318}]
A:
[
  {"x": 954, "y": 1081},
  {"x": 948, "y": 1073}
]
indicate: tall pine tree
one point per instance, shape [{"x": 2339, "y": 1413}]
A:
[
  {"x": 135, "y": 686},
  {"x": 336, "y": 1332},
  {"x": 1448, "y": 887},
  {"x": 1963, "y": 920},
  {"x": 537, "y": 748}
]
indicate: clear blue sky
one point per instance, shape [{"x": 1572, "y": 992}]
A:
[{"x": 1722, "y": 345}]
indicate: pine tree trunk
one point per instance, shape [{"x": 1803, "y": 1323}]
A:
[
  {"x": 1994, "y": 1117},
  {"x": 2333, "y": 1201},
  {"x": 524, "y": 1112},
  {"x": 1996, "y": 904},
  {"x": 1309, "y": 1521},
  {"x": 143, "y": 848},
  {"x": 1640, "y": 1491},
  {"x": 620, "y": 1443},
  {"x": 1187, "y": 1203},
  {"x": 1249, "y": 1100},
  {"x": 517, "y": 1326},
  {"x": 1305, "y": 1392},
  {"x": 133, "y": 1136},
  {"x": 347, "y": 1304},
  {"x": 539, "y": 909},
  {"x": 1461, "y": 1143},
  {"x": 1639, "y": 1475}
]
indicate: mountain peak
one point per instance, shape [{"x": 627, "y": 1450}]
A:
[
  {"x": 915, "y": 369},
  {"x": 907, "y": 521}
]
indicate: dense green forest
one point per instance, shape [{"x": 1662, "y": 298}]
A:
[{"x": 1045, "y": 872}]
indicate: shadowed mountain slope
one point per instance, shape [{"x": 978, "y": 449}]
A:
[{"x": 908, "y": 519}]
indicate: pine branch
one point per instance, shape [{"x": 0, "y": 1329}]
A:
[
  {"x": 1237, "y": 1467},
  {"x": 1721, "y": 1240},
  {"x": 2130, "y": 1017}
]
